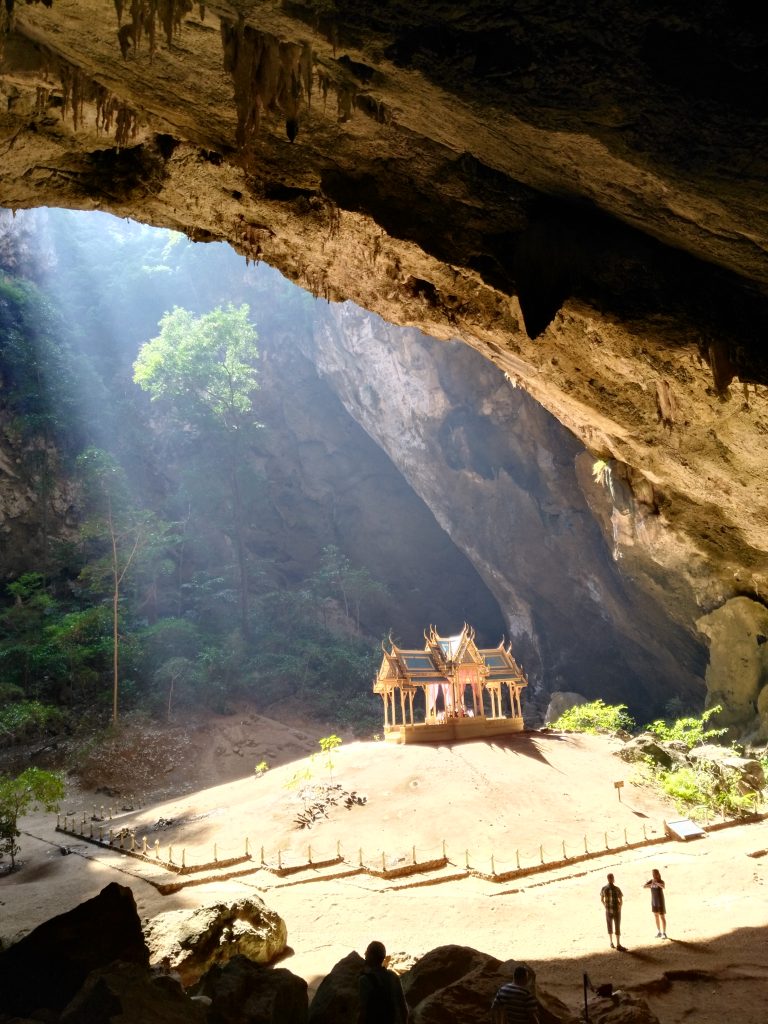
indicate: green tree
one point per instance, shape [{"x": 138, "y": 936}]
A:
[
  {"x": 338, "y": 577},
  {"x": 690, "y": 731},
  {"x": 204, "y": 368},
  {"x": 595, "y": 717},
  {"x": 19, "y": 795}
]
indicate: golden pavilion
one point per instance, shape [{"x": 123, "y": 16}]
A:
[{"x": 461, "y": 685}]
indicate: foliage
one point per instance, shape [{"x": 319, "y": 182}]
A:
[
  {"x": 595, "y": 717},
  {"x": 690, "y": 731},
  {"x": 24, "y": 718},
  {"x": 705, "y": 787},
  {"x": 261, "y": 769},
  {"x": 20, "y": 795},
  {"x": 328, "y": 744}
]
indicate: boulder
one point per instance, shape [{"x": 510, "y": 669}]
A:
[
  {"x": 456, "y": 983},
  {"x": 243, "y": 992},
  {"x": 336, "y": 1000},
  {"x": 749, "y": 770},
  {"x": 126, "y": 992},
  {"x": 189, "y": 942},
  {"x": 738, "y": 661},
  {"x": 621, "y": 1008},
  {"x": 45, "y": 969},
  {"x": 646, "y": 745},
  {"x": 560, "y": 701}
]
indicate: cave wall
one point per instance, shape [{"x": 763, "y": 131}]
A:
[
  {"x": 579, "y": 199},
  {"x": 504, "y": 479}
]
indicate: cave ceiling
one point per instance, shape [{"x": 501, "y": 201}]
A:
[{"x": 578, "y": 191}]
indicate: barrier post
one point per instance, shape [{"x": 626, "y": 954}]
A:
[
  {"x": 157, "y": 849},
  {"x": 247, "y": 854},
  {"x": 606, "y": 839},
  {"x": 170, "y": 855},
  {"x": 361, "y": 856},
  {"x": 413, "y": 854},
  {"x": 133, "y": 841},
  {"x": 279, "y": 860},
  {"x": 262, "y": 855},
  {"x": 144, "y": 845},
  {"x": 626, "y": 841},
  {"x": 517, "y": 858},
  {"x": 466, "y": 859},
  {"x": 565, "y": 855},
  {"x": 383, "y": 861},
  {"x": 338, "y": 848},
  {"x": 444, "y": 853},
  {"x": 183, "y": 856},
  {"x": 58, "y": 822},
  {"x": 541, "y": 854},
  {"x": 493, "y": 865},
  {"x": 309, "y": 854},
  {"x": 644, "y": 834},
  {"x": 215, "y": 854},
  {"x": 586, "y": 848}
]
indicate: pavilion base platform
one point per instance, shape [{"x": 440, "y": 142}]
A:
[{"x": 453, "y": 729}]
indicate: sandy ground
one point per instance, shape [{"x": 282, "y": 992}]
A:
[{"x": 503, "y": 799}]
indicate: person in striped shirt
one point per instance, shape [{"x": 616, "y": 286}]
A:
[{"x": 513, "y": 1003}]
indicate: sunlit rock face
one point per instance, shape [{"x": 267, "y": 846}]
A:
[
  {"x": 579, "y": 198},
  {"x": 501, "y": 476}
]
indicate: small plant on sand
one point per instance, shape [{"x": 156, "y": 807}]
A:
[
  {"x": 261, "y": 769},
  {"x": 26, "y": 792},
  {"x": 690, "y": 731},
  {"x": 595, "y": 717},
  {"x": 328, "y": 744}
]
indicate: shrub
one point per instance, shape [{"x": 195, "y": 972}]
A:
[
  {"x": 690, "y": 731},
  {"x": 595, "y": 717},
  {"x": 707, "y": 787}
]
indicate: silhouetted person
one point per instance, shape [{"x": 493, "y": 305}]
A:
[
  {"x": 612, "y": 898},
  {"x": 513, "y": 1003},
  {"x": 658, "y": 904},
  {"x": 381, "y": 995}
]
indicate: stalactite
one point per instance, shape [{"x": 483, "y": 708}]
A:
[
  {"x": 268, "y": 75},
  {"x": 146, "y": 16}
]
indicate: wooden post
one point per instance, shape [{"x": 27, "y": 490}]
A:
[
  {"x": 361, "y": 856},
  {"x": 565, "y": 855},
  {"x": 493, "y": 865},
  {"x": 626, "y": 841},
  {"x": 157, "y": 849},
  {"x": 466, "y": 859},
  {"x": 586, "y": 848},
  {"x": 279, "y": 860},
  {"x": 133, "y": 841},
  {"x": 517, "y": 858},
  {"x": 247, "y": 854},
  {"x": 262, "y": 855},
  {"x": 170, "y": 855},
  {"x": 101, "y": 833},
  {"x": 606, "y": 839},
  {"x": 58, "y": 822},
  {"x": 413, "y": 854},
  {"x": 644, "y": 834},
  {"x": 338, "y": 848},
  {"x": 309, "y": 854},
  {"x": 383, "y": 861},
  {"x": 183, "y": 856},
  {"x": 144, "y": 845},
  {"x": 215, "y": 854},
  {"x": 444, "y": 854}
]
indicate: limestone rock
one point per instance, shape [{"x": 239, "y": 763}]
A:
[
  {"x": 560, "y": 701},
  {"x": 646, "y": 745},
  {"x": 123, "y": 992},
  {"x": 336, "y": 999},
  {"x": 749, "y": 770},
  {"x": 738, "y": 659},
  {"x": 47, "y": 967},
  {"x": 457, "y": 983},
  {"x": 243, "y": 992},
  {"x": 190, "y": 941},
  {"x": 621, "y": 1008}
]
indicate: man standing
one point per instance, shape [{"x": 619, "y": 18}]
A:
[
  {"x": 513, "y": 1003},
  {"x": 381, "y": 995},
  {"x": 612, "y": 898}
]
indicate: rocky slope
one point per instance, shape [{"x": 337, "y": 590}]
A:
[{"x": 580, "y": 200}]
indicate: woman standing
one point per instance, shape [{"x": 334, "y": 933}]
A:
[{"x": 658, "y": 906}]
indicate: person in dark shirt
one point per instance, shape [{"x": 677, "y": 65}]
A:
[
  {"x": 381, "y": 994},
  {"x": 513, "y": 1003},
  {"x": 658, "y": 904},
  {"x": 612, "y": 898}
]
